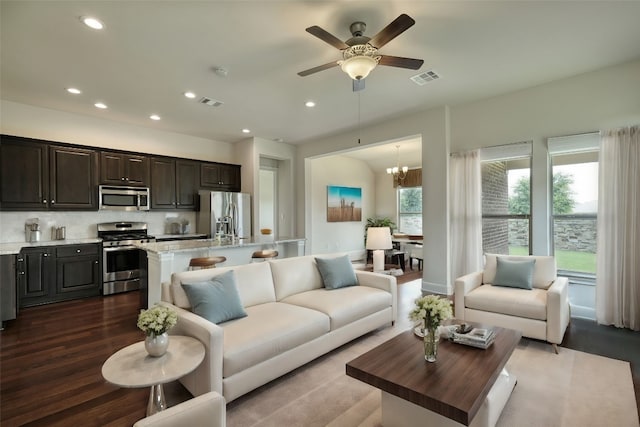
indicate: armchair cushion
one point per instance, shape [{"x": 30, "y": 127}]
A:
[
  {"x": 514, "y": 273},
  {"x": 509, "y": 301},
  {"x": 544, "y": 272}
]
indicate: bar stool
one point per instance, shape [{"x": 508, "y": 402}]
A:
[
  {"x": 206, "y": 262},
  {"x": 263, "y": 255}
]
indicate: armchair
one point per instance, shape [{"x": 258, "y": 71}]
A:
[
  {"x": 208, "y": 409},
  {"x": 541, "y": 312}
]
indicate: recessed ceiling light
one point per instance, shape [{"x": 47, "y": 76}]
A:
[
  {"x": 310, "y": 104},
  {"x": 92, "y": 22},
  {"x": 74, "y": 91},
  {"x": 100, "y": 105},
  {"x": 246, "y": 131},
  {"x": 154, "y": 117},
  {"x": 190, "y": 95}
]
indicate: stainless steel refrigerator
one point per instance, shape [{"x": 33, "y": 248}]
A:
[{"x": 225, "y": 214}]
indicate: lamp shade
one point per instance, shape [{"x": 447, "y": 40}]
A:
[
  {"x": 358, "y": 67},
  {"x": 379, "y": 238}
]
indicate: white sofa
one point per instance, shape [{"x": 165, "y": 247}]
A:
[
  {"x": 291, "y": 320},
  {"x": 541, "y": 313}
]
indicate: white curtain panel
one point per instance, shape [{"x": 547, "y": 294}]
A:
[
  {"x": 466, "y": 213},
  {"x": 618, "y": 259}
]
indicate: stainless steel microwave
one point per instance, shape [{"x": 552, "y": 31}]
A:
[{"x": 124, "y": 198}]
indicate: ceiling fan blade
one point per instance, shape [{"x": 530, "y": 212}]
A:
[
  {"x": 400, "y": 62},
  {"x": 327, "y": 37},
  {"x": 358, "y": 85},
  {"x": 318, "y": 68},
  {"x": 399, "y": 25}
]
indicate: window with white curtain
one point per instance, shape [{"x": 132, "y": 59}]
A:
[
  {"x": 506, "y": 199},
  {"x": 574, "y": 162}
]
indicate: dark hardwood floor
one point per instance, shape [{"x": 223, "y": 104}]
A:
[{"x": 51, "y": 359}]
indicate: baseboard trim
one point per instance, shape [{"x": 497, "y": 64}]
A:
[
  {"x": 435, "y": 288},
  {"x": 583, "y": 312}
]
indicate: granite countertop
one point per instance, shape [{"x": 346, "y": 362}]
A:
[
  {"x": 190, "y": 245},
  {"x": 180, "y": 236},
  {"x": 15, "y": 247}
]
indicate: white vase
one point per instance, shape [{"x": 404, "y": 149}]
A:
[{"x": 156, "y": 345}]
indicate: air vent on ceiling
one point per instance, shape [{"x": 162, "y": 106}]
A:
[
  {"x": 425, "y": 77},
  {"x": 210, "y": 102}
]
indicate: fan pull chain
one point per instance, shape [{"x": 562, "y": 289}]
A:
[{"x": 359, "y": 127}]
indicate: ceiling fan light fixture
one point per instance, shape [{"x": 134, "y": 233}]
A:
[{"x": 358, "y": 67}]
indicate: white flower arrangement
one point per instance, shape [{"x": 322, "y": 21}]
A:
[
  {"x": 431, "y": 310},
  {"x": 157, "y": 320}
]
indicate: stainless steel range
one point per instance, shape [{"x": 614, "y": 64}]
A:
[{"x": 123, "y": 263}]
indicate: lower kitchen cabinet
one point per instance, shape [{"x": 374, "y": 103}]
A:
[{"x": 58, "y": 273}]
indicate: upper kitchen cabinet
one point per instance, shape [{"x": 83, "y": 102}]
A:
[
  {"x": 24, "y": 174},
  {"x": 220, "y": 176},
  {"x": 39, "y": 176},
  {"x": 174, "y": 183},
  {"x": 124, "y": 169},
  {"x": 72, "y": 181}
]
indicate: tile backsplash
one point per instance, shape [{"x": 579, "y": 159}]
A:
[{"x": 82, "y": 225}]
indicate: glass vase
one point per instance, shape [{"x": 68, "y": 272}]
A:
[
  {"x": 156, "y": 345},
  {"x": 431, "y": 339}
]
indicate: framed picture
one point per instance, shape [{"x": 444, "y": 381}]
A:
[{"x": 344, "y": 204}]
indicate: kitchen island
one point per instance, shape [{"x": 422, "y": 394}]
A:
[{"x": 166, "y": 258}]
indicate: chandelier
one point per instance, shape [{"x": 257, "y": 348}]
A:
[{"x": 398, "y": 173}]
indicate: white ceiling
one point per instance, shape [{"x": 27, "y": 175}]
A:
[{"x": 152, "y": 51}]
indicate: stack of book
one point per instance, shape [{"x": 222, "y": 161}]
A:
[{"x": 481, "y": 338}]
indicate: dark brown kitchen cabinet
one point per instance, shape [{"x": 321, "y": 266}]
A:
[
  {"x": 78, "y": 271},
  {"x": 220, "y": 176},
  {"x": 72, "y": 178},
  {"x": 187, "y": 177},
  {"x": 124, "y": 169},
  {"x": 58, "y": 273},
  {"x": 36, "y": 274},
  {"x": 24, "y": 174},
  {"x": 39, "y": 176},
  {"x": 174, "y": 183}
]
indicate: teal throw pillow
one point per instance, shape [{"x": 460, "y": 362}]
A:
[
  {"x": 514, "y": 273},
  {"x": 217, "y": 299},
  {"x": 337, "y": 272}
]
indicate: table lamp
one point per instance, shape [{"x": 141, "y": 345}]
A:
[{"x": 378, "y": 239}]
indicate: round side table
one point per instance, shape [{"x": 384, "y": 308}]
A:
[{"x": 132, "y": 367}]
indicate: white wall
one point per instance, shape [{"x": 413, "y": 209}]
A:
[
  {"x": 431, "y": 125},
  {"x": 338, "y": 236},
  {"x": 592, "y": 101},
  {"x": 386, "y": 197},
  {"x": 52, "y": 125}
]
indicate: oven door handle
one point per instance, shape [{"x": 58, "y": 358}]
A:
[{"x": 120, "y": 248}]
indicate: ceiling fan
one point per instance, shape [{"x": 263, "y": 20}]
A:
[{"x": 360, "y": 53}]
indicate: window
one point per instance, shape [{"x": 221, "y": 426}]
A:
[
  {"x": 575, "y": 204},
  {"x": 506, "y": 199},
  {"x": 410, "y": 210}
]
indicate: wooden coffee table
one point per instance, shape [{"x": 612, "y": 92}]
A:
[{"x": 465, "y": 386}]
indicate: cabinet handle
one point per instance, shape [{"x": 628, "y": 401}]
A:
[
  {"x": 53, "y": 201},
  {"x": 20, "y": 259},
  {"x": 45, "y": 255},
  {"x": 44, "y": 200},
  {"x": 21, "y": 272},
  {"x": 77, "y": 251},
  {"x": 95, "y": 262},
  {"x": 122, "y": 179}
]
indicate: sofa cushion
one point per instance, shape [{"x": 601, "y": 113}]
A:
[
  {"x": 544, "y": 272},
  {"x": 295, "y": 275},
  {"x": 267, "y": 331},
  {"x": 344, "y": 305},
  {"x": 217, "y": 299},
  {"x": 511, "y": 301},
  {"x": 254, "y": 281},
  {"x": 336, "y": 272},
  {"x": 514, "y": 273}
]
